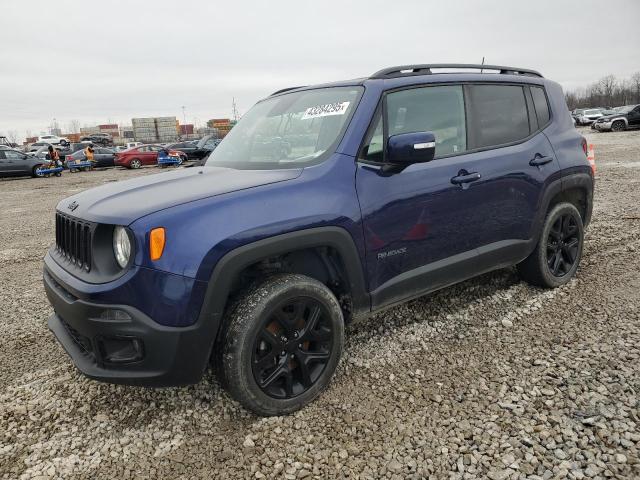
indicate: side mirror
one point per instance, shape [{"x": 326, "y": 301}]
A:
[{"x": 408, "y": 148}]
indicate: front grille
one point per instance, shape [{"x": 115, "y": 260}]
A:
[{"x": 73, "y": 240}]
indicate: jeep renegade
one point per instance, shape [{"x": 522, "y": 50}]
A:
[{"x": 324, "y": 204}]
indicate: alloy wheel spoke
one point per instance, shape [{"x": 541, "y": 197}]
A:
[
  {"x": 288, "y": 383},
  {"x": 303, "y": 366},
  {"x": 312, "y": 357},
  {"x": 556, "y": 263},
  {"x": 277, "y": 373},
  {"x": 268, "y": 360}
]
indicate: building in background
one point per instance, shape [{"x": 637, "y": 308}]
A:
[
  {"x": 186, "y": 129},
  {"x": 84, "y": 131},
  {"x": 155, "y": 129},
  {"x": 111, "y": 129},
  {"x": 220, "y": 126}
]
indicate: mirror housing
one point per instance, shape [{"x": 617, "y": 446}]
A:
[{"x": 409, "y": 148}]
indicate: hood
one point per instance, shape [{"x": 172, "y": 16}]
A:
[
  {"x": 612, "y": 116},
  {"x": 122, "y": 203}
]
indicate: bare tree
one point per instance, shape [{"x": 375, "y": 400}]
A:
[
  {"x": 635, "y": 86},
  {"x": 12, "y": 135},
  {"x": 606, "y": 92},
  {"x": 73, "y": 126}
]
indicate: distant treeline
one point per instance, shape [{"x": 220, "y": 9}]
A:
[{"x": 606, "y": 92}]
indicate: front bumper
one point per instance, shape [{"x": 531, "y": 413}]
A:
[{"x": 128, "y": 348}]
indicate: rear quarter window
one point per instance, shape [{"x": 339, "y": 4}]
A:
[
  {"x": 541, "y": 105},
  {"x": 498, "y": 115}
]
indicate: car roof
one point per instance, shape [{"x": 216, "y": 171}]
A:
[{"x": 399, "y": 76}]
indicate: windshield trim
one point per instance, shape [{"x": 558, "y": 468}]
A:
[{"x": 297, "y": 164}]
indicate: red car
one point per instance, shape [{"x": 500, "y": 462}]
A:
[{"x": 143, "y": 155}]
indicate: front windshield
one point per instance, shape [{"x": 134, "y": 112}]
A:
[
  {"x": 626, "y": 108},
  {"x": 291, "y": 130}
]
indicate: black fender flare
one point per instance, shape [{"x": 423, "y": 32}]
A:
[
  {"x": 233, "y": 262},
  {"x": 582, "y": 180}
]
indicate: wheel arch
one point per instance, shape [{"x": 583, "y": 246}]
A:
[
  {"x": 316, "y": 252},
  {"x": 575, "y": 188}
]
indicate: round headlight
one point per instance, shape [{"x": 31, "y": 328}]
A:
[{"x": 121, "y": 246}]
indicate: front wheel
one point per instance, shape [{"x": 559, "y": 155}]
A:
[
  {"x": 618, "y": 126},
  {"x": 135, "y": 163},
  {"x": 282, "y": 344},
  {"x": 557, "y": 256}
]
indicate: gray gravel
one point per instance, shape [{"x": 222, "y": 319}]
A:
[{"x": 489, "y": 379}]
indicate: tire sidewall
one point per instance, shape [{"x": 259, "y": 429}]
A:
[
  {"x": 553, "y": 215},
  {"x": 247, "y": 320}
]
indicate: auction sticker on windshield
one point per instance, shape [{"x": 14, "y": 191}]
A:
[{"x": 338, "y": 108}]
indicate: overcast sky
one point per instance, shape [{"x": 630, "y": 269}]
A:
[{"x": 113, "y": 60}]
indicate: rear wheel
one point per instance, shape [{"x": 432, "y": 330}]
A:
[
  {"x": 618, "y": 126},
  {"x": 135, "y": 163},
  {"x": 282, "y": 344},
  {"x": 557, "y": 256}
]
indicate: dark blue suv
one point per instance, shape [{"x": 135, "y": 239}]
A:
[{"x": 324, "y": 204}]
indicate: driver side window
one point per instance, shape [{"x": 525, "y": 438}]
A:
[{"x": 437, "y": 109}]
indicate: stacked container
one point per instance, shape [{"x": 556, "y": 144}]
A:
[{"x": 155, "y": 129}]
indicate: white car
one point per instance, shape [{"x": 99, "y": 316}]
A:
[
  {"x": 53, "y": 140},
  {"x": 589, "y": 116}
]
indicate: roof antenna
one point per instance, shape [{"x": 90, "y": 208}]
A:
[{"x": 482, "y": 64}]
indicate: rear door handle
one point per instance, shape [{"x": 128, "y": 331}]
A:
[
  {"x": 539, "y": 160},
  {"x": 465, "y": 178}
]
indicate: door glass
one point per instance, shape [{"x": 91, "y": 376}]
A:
[
  {"x": 437, "y": 109},
  {"x": 13, "y": 155},
  {"x": 498, "y": 115}
]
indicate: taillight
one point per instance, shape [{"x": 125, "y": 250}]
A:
[{"x": 585, "y": 148}]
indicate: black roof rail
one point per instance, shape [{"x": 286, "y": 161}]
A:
[
  {"x": 286, "y": 90},
  {"x": 425, "y": 69}
]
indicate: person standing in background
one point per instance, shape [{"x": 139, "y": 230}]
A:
[{"x": 88, "y": 153}]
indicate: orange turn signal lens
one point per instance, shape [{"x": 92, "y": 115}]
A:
[{"x": 156, "y": 243}]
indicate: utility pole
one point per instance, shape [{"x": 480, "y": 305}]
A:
[{"x": 234, "y": 110}]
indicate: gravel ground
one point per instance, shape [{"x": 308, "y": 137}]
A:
[{"x": 489, "y": 379}]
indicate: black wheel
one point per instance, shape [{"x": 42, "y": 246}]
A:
[
  {"x": 618, "y": 126},
  {"x": 36, "y": 172},
  {"x": 135, "y": 163},
  {"x": 282, "y": 344},
  {"x": 557, "y": 256}
]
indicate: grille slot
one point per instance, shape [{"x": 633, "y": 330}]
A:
[
  {"x": 73, "y": 240},
  {"x": 80, "y": 340}
]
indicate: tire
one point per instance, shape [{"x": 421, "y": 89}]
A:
[
  {"x": 557, "y": 256},
  {"x": 36, "y": 173},
  {"x": 135, "y": 164},
  {"x": 274, "y": 328},
  {"x": 618, "y": 126}
]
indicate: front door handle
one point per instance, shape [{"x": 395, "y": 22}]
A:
[
  {"x": 464, "y": 177},
  {"x": 539, "y": 160}
]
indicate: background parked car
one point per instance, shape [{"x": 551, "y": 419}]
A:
[
  {"x": 188, "y": 147},
  {"x": 54, "y": 140},
  {"x": 143, "y": 155},
  {"x": 205, "y": 146},
  {"x": 103, "y": 157},
  {"x": 587, "y": 117},
  {"x": 623, "y": 118},
  {"x": 14, "y": 163},
  {"x": 98, "y": 138},
  {"x": 34, "y": 147}
]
